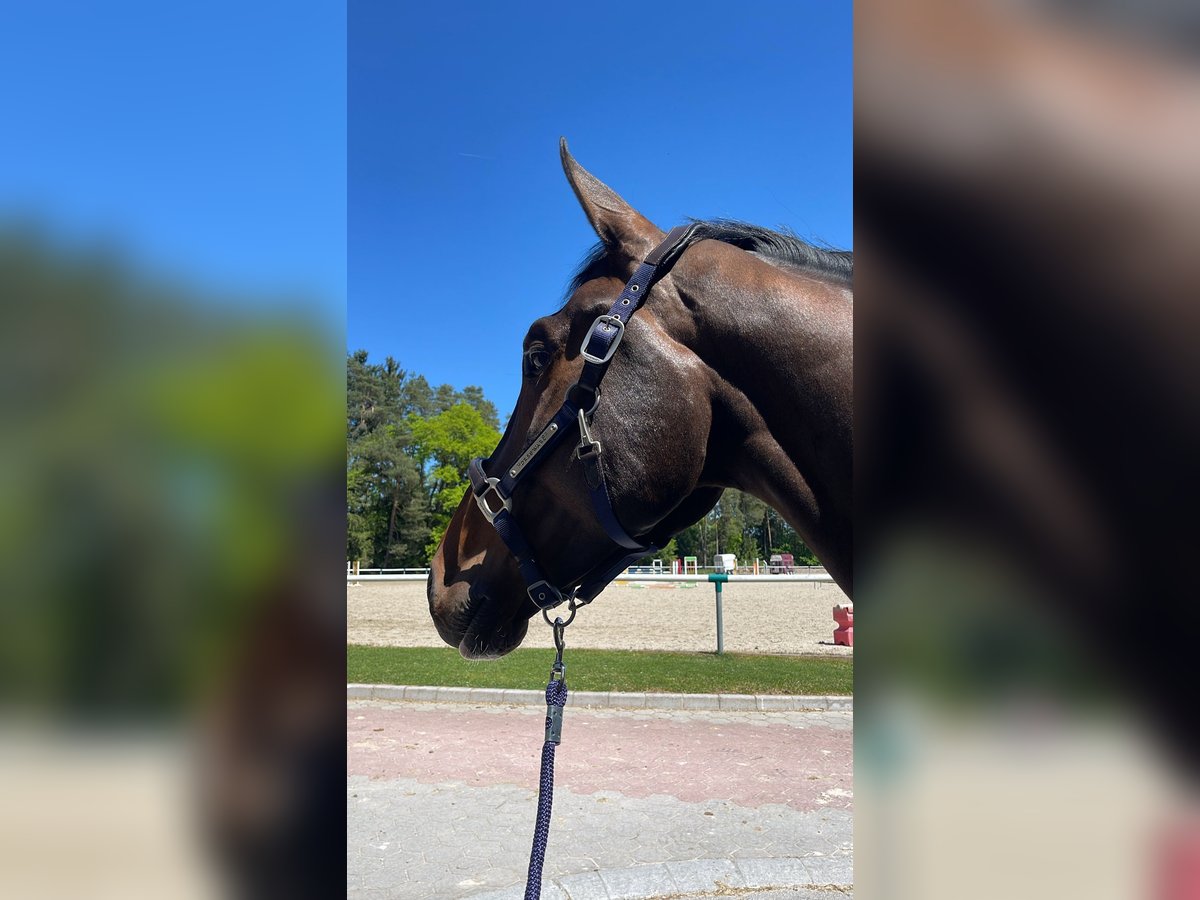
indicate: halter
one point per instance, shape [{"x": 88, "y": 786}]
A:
[{"x": 493, "y": 494}]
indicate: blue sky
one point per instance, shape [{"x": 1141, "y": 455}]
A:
[
  {"x": 462, "y": 228},
  {"x": 205, "y": 142}
]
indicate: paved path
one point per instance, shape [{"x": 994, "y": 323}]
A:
[{"x": 441, "y": 799}]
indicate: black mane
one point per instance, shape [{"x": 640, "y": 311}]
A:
[{"x": 779, "y": 246}]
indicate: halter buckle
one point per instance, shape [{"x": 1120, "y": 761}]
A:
[
  {"x": 493, "y": 487},
  {"x": 587, "y": 445},
  {"x": 607, "y": 320}
]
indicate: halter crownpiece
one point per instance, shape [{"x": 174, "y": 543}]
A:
[{"x": 494, "y": 494}]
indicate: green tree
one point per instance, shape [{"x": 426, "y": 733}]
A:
[
  {"x": 407, "y": 450},
  {"x": 416, "y": 397},
  {"x": 473, "y": 394},
  {"x": 445, "y": 397},
  {"x": 387, "y": 512},
  {"x": 692, "y": 541},
  {"x": 374, "y": 394},
  {"x": 744, "y": 526},
  {"x": 443, "y": 446},
  {"x": 780, "y": 537}
]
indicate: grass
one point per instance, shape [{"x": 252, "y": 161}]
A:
[{"x": 607, "y": 670}]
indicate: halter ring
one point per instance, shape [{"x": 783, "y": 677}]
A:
[{"x": 571, "y": 618}]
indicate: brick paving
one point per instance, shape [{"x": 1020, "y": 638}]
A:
[{"x": 648, "y": 803}]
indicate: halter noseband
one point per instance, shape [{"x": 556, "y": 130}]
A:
[{"x": 494, "y": 494}]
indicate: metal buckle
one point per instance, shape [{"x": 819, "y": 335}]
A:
[
  {"x": 612, "y": 348},
  {"x": 481, "y": 499},
  {"x": 587, "y": 445}
]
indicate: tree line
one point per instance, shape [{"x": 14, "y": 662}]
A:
[
  {"x": 407, "y": 449},
  {"x": 408, "y": 445}
]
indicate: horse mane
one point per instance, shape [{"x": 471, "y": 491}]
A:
[{"x": 783, "y": 247}]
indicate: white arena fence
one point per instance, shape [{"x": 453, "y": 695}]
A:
[
  {"x": 717, "y": 579},
  {"x": 421, "y": 573}
]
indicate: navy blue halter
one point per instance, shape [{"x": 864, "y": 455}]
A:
[{"x": 494, "y": 494}]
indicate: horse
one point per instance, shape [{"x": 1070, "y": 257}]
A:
[{"x": 736, "y": 373}]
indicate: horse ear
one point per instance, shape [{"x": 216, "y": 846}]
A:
[{"x": 616, "y": 222}]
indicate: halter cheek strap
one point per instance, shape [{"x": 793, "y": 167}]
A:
[{"x": 493, "y": 494}]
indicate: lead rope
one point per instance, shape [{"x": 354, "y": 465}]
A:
[{"x": 556, "y": 699}]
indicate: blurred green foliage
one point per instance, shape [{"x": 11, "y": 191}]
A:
[{"x": 159, "y": 443}]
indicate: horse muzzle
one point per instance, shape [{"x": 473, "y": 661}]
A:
[{"x": 475, "y": 622}]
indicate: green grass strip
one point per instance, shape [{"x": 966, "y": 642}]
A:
[{"x": 607, "y": 670}]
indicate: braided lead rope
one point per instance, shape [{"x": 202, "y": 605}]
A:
[{"x": 556, "y": 698}]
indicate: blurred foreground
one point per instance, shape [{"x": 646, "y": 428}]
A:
[
  {"x": 1028, "y": 248},
  {"x": 172, "y": 624},
  {"x": 172, "y": 268}
]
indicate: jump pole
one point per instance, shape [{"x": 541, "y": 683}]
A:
[{"x": 718, "y": 579}]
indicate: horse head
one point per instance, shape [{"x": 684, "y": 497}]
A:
[{"x": 650, "y": 424}]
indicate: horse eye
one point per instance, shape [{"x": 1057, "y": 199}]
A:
[{"x": 536, "y": 359}]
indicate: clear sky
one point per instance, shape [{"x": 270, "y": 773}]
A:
[
  {"x": 462, "y": 228},
  {"x": 206, "y": 142}
]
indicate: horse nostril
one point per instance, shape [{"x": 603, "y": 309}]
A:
[{"x": 450, "y": 608}]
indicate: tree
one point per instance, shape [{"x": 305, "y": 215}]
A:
[
  {"x": 753, "y": 515},
  {"x": 387, "y": 514},
  {"x": 445, "y": 397},
  {"x": 407, "y": 450},
  {"x": 373, "y": 394},
  {"x": 784, "y": 539},
  {"x": 473, "y": 395},
  {"x": 744, "y": 526},
  {"x": 443, "y": 446},
  {"x": 416, "y": 397}
]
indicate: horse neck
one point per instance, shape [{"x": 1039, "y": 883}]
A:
[{"x": 778, "y": 345}]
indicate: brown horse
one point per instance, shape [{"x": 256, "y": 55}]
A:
[{"x": 737, "y": 372}]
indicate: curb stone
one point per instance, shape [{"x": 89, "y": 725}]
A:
[
  {"x": 697, "y": 876},
  {"x": 604, "y": 699}
]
